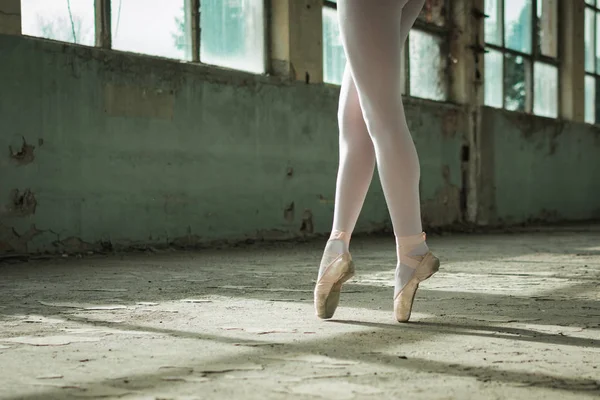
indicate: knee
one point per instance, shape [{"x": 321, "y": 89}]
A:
[{"x": 353, "y": 129}]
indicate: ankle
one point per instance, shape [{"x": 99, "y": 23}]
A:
[
  {"x": 411, "y": 246},
  {"x": 341, "y": 236},
  {"x": 338, "y": 243}
]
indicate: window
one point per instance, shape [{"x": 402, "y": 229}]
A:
[
  {"x": 154, "y": 27},
  {"x": 427, "y": 51},
  {"x": 231, "y": 31},
  {"x": 423, "y": 70},
  {"x": 521, "y": 62},
  {"x": 67, "y": 20},
  {"x": 426, "y": 65},
  {"x": 592, "y": 61},
  {"x": 232, "y": 34},
  {"x": 334, "y": 59}
]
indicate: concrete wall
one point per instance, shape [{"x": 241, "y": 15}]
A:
[
  {"x": 540, "y": 169},
  {"x": 111, "y": 149},
  {"x": 105, "y": 149}
]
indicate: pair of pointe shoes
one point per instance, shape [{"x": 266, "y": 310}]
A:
[{"x": 341, "y": 269}]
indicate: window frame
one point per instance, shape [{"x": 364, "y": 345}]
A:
[
  {"x": 331, "y": 5},
  {"x": 535, "y": 56},
  {"x": 443, "y": 33},
  {"x": 596, "y": 74}
]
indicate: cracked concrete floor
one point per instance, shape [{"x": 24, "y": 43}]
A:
[{"x": 508, "y": 317}]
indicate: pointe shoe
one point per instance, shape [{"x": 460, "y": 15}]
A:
[
  {"x": 329, "y": 285},
  {"x": 403, "y": 300}
]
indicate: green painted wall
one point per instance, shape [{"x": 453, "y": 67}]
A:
[
  {"x": 127, "y": 150},
  {"x": 541, "y": 169}
]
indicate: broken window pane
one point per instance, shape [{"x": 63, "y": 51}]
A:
[
  {"x": 547, "y": 27},
  {"x": 70, "y": 21},
  {"x": 589, "y": 40},
  {"x": 517, "y": 22},
  {"x": 493, "y": 78},
  {"x": 590, "y": 99},
  {"x": 334, "y": 59},
  {"x": 232, "y": 34},
  {"x": 493, "y": 24},
  {"x": 434, "y": 12},
  {"x": 516, "y": 83},
  {"x": 427, "y": 67},
  {"x": 153, "y": 27},
  {"x": 545, "y": 90}
]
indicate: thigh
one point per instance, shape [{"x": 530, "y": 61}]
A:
[
  {"x": 372, "y": 38},
  {"x": 410, "y": 13}
]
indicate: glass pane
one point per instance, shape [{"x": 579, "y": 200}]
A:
[
  {"x": 493, "y": 78},
  {"x": 545, "y": 90},
  {"x": 596, "y": 103},
  {"x": 434, "y": 12},
  {"x": 68, "y": 21},
  {"x": 547, "y": 27},
  {"x": 493, "y": 24},
  {"x": 589, "y": 40},
  {"x": 403, "y": 71},
  {"x": 232, "y": 34},
  {"x": 153, "y": 27},
  {"x": 590, "y": 2},
  {"x": 427, "y": 67},
  {"x": 334, "y": 59},
  {"x": 515, "y": 83},
  {"x": 517, "y": 21},
  {"x": 590, "y": 99},
  {"x": 597, "y": 43}
]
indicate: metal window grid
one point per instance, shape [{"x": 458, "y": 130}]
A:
[
  {"x": 596, "y": 74},
  {"x": 531, "y": 58}
]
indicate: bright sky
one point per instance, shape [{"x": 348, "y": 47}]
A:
[
  {"x": 513, "y": 8},
  {"x": 144, "y": 25}
]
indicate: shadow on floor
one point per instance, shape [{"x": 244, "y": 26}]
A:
[{"x": 353, "y": 345}]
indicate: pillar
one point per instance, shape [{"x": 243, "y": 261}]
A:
[
  {"x": 10, "y": 17},
  {"x": 296, "y": 39}
]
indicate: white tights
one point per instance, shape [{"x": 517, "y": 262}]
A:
[
  {"x": 373, "y": 129},
  {"x": 371, "y": 116}
]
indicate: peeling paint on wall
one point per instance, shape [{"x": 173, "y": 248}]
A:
[
  {"x": 72, "y": 245},
  {"x": 307, "y": 222},
  {"x": 21, "y": 204},
  {"x": 12, "y": 241},
  {"x": 24, "y": 155},
  {"x": 288, "y": 212}
]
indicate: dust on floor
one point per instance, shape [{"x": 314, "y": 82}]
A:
[{"x": 507, "y": 317}]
